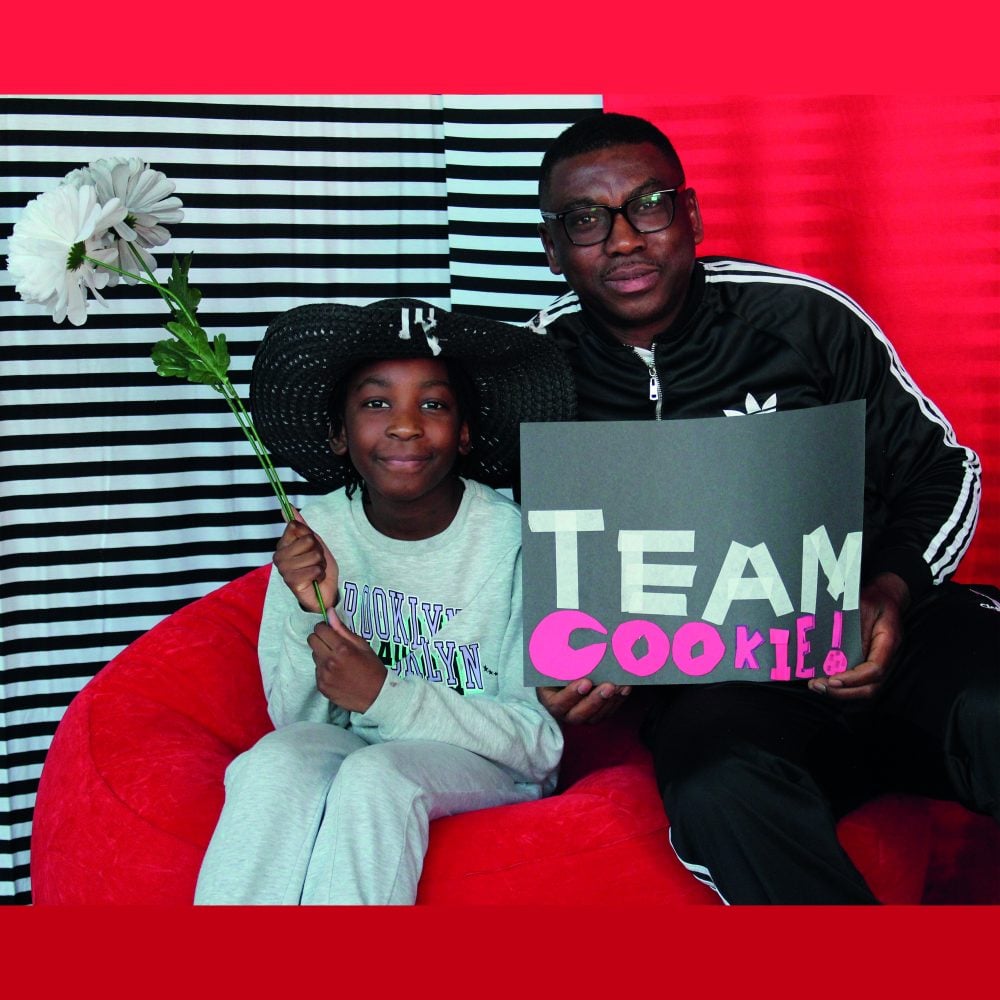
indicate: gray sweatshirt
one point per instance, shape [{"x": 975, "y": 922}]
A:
[{"x": 444, "y": 615}]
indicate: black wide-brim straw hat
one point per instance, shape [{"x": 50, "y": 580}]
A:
[{"x": 519, "y": 376}]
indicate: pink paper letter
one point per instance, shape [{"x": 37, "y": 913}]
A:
[
  {"x": 803, "y": 625},
  {"x": 690, "y": 635},
  {"x": 744, "y": 648},
  {"x": 779, "y": 639},
  {"x": 550, "y": 651},
  {"x": 625, "y": 638}
]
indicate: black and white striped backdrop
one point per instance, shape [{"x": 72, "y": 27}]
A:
[{"x": 124, "y": 495}]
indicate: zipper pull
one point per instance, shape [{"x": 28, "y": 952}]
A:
[{"x": 653, "y": 388}]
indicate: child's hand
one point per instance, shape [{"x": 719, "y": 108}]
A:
[
  {"x": 303, "y": 559},
  {"x": 347, "y": 670}
]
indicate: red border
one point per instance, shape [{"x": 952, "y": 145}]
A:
[
  {"x": 496, "y": 951},
  {"x": 512, "y": 46},
  {"x": 515, "y": 46}
]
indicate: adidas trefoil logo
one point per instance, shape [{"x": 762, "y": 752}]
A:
[{"x": 770, "y": 405}]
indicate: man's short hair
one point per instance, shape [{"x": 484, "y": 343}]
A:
[{"x": 599, "y": 131}]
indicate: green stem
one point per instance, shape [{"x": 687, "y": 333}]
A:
[
  {"x": 243, "y": 418},
  {"x": 227, "y": 391},
  {"x": 164, "y": 292},
  {"x": 250, "y": 432}
]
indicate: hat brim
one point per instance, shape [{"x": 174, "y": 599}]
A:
[{"x": 519, "y": 376}]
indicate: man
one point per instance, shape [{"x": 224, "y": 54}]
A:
[{"x": 755, "y": 775}]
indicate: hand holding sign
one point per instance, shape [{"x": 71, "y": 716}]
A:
[
  {"x": 883, "y": 603},
  {"x": 583, "y": 701}
]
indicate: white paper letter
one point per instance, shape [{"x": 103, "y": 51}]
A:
[
  {"x": 637, "y": 575},
  {"x": 565, "y": 525},
  {"x": 843, "y": 572},
  {"x": 731, "y": 585}
]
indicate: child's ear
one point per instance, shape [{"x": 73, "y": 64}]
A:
[
  {"x": 338, "y": 443},
  {"x": 464, "y": 438}
]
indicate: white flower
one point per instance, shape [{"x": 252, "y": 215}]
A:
[
  {"x": 46, "y": 250},
  {"x": 147, "y": 197}
]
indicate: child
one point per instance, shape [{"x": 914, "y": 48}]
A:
[{"x": 409, "y": 703}]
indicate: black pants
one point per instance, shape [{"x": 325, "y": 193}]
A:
[{"x": 754, "y": 776}]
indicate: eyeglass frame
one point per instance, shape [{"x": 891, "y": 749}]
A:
[{"x": 617, "y": 210}]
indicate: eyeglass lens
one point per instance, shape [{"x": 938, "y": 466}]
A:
[{"x": 648, "y": 213}]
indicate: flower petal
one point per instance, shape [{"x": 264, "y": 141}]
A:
[{"x": 39, "y": 249}]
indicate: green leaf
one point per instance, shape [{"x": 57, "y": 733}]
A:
[
  {"x": 178, "y": 285},
  {"x": 203, "y": 376},
  {"x": 177, "y": 360},
  {"x": 221, "y": 353},
  {"x": 194, "y": 337},
  {"x": 172, "y": 360},
  {"x": 191, "y": 356}
]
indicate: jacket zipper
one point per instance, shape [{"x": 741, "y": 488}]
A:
[{"x": 654, "y": 385}]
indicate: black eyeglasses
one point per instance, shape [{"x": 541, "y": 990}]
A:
[{"x": 646, "y": 213}]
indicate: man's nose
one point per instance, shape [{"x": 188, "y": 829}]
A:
[{"x": 624, "y": 237}]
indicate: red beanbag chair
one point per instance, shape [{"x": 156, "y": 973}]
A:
[{"x": 133, "y": 784}]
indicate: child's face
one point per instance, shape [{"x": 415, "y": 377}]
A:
[{"x": 402, "y": 427}]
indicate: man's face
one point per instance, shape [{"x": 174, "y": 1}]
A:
[{"x": 634, "y": 282}]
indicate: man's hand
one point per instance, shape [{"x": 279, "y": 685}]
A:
[
  {"x": 883, "y": 603},
  {"x": 348, "y": 672},
  {"x": 303, "y": 559},
  {"x": 582, "y": 701}
]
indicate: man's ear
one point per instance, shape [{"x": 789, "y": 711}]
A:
[
  {"x": 464, "y": 438},
  {"x": 550, "y": 248},
  {"x": 338, "y": 443},
  {"x": 694, "y": 215}
]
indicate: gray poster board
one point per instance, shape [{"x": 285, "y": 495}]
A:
[{"x": 692, "y": 551}]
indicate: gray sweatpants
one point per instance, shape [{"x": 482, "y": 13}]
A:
[{"x": 315, "y": 815}]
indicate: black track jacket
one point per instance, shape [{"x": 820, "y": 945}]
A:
[{"x": 753, "y": 339}]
